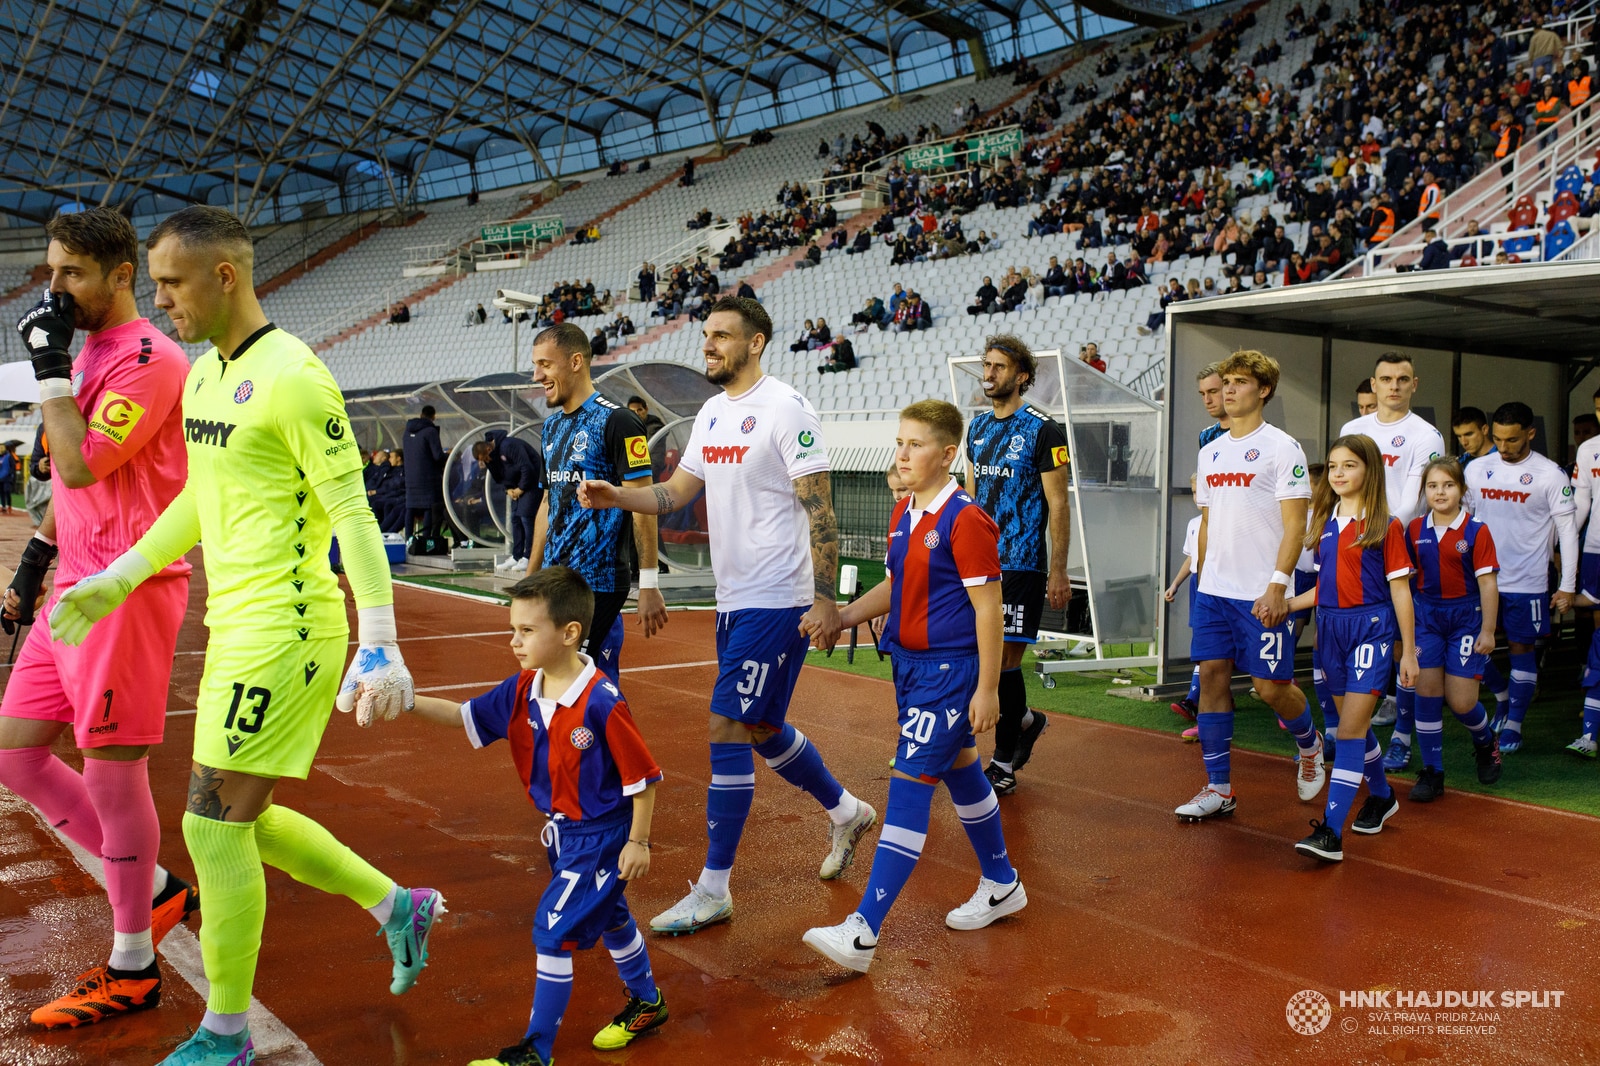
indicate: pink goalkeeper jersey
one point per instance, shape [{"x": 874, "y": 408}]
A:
[{"x": 128, "y": 382}]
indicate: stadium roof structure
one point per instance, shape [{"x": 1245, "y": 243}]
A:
[{"x": 151, "y": 104}]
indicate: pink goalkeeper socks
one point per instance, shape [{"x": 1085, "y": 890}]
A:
[
  {"x": 131, "y": 837},
  {"x": 56, "y": 789}
]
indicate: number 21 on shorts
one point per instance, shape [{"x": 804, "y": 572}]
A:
[{"x": 1272, "y": 648}]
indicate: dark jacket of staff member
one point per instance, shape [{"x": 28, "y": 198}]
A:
[{"x": 424, "y": 474}]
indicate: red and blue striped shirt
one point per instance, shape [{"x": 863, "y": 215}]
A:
[
  {"x": 1449, "y": 561},
  {"x": 1349, "y": 575},
  {"x": 579, "y": 754},
  {"x": 934, "y": 556}
]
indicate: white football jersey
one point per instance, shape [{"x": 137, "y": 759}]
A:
[
  {"x": 749, "y": 450},
  {"x": 1241, "y": 482},
  {"x": 1586, "y": 491},
  {"x": 1407, "y": 445},
  {"x": 1191, "y": 541},
  {"x": 1520, "y": 502}
]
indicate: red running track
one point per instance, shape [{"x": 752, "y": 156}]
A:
[{"x": 1145, "y": 941}]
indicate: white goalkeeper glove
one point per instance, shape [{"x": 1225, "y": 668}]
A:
[
  {"x": 377, "y": 685},
  {"x": 94, "y": 597}
]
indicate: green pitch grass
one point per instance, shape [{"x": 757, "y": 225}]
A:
[{"x": 1542, "y": 772}]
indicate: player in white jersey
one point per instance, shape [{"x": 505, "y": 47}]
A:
[
  {"x": 1253, "y": 490},
  {"x": 1408, "y": 443},
  {"x": 1527, "y": 502},
  {"x": 756, "y": 450},
  {"x": 1586, "y": 500}
]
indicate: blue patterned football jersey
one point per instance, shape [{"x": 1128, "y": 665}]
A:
[
  {"x": 598, "y": 442},
  {"x": 1006, "y": 457}
]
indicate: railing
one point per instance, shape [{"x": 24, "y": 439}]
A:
[
  {"x": 1487, "y": 244},
  {"x": 1586, "y": 247},
  {"x": 1568, "y": 28},
  {"x": 1491, "y": 194},
  {"x": 419, "y": 256},
  {"x": 697, "y": 242},
  {"x": 355, "y": 311}
]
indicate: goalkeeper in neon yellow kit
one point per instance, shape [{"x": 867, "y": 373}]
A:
[{"x": 273, "y": 473}]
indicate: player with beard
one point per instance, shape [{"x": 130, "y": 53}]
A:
[
  {"x": 1018, "y": 458},
  {"x": 114, "y": 421},
  {"x": 756, "y": 450},
  {"x": 587, "y": 436}
]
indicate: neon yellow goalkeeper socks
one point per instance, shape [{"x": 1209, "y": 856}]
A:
[
  {"x": 228, "y": 868},
  {"x": 313, "y": 856}
]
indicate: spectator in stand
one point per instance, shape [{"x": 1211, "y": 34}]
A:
[
  {"x": 1015, "y": 291},
  {"x": 821, "y": 337},
  {"x": 1055, "y": 279},
  {"x": 913, "y": 315},
  {"x": 1435, "y": 253},
  {"x": 399, "y": 313},
  {"x": 1174, "y": 294},
  {"x": 803, "y": 342},
  {"x": 597, "y": 343},
  {"x": 746, "y": 291},
  {"x": 872, "y": 314},
  {"x": 1544, "y": 50},
  {"x": 1298, "y": 271},
  {"x": 841, "y": 356},
  {"x": 688, "y": 173},
  {"x": 647, "y": 282},
  {"x": 896, "y": 298},
  {"x": 586, "y": 235},
  {"x": 986, "y": 300},
  {"x": 1579, "y": 86},
  {"x": 862, "y": 242},
  {"x": 1089, "y": 354},
  {"x": 1547, "y": 112},
  {"x": 813, "y": 256}
]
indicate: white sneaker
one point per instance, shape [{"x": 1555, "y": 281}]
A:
[
  {"x": 1386, "y": 713},
  {"x": 991, "y": 902},
  {"x": 694, "y": 912},
  {"x": 850, "y": 943},
  {"x": 520, "y": 565},
  {"x": 504, "y": 564},
  {"x": 844, "y": 841},
  {"x": 1312, "y": 773},
  {"x": 1207, "y": 803}
]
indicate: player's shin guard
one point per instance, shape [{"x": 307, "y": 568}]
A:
[
  {"x": 56, "y": 789},
  {"x": 1344, "y": 781},
  {"x": 1497, "y": 684},
  {"x": 1524, "y": 676},
  {"x": 1430, "y": 731},
  {"x": 794, "y": 758},
  {"x": 1591, "y": 712},
  {"x": 1013, "y": 707},
  {"x": 1304, "y": 729},
  {"x": 733, "y": 787},
  {"x": 552, "y": 991},
  {"x": 628, "y": 951},
  {"x": 979, "y": 811},
  {"x": 1477, "y": 723},
  {"x": 227, "y": 866},
  {"x": 1216, "y": 740},
  {"x": 1194, "y": 687},
  {"x": 131, "y": 836},
  {"x": 1377, "y": 781},
  {"x": 307, "y": 852},
  {"x": 1405, "y": 703},
  {"x": 905, "y": 830}
]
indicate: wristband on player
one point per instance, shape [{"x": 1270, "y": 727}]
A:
[
  {"x": 1281, "y": 578},
  {"x": 649, "y": 579},
  {"x": 55, "y": 389},
  {"x": 375, "y": 625},
  {"x": 645, "y": 844}
]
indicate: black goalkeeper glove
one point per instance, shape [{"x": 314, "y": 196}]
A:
[
  {"x": 47, "y": 334},
  {"x": 29, "y": 579}
]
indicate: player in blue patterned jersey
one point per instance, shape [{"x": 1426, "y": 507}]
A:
[
  {"x": 587, "y": 437},
  {"x": 1017, "y": 456},
  {"x": 1209, "y": 384}
]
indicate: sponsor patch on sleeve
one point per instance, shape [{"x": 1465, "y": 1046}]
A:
[
  {"x": 1058, "y": 455},
  {"x": 116, "y": 416},
  {"x": 638, "y": 452}
]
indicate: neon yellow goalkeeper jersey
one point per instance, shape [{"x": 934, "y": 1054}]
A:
[{"x": 263, "y": 431}]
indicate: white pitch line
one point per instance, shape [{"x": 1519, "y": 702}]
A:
[{"x": 182, "y": 949}]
